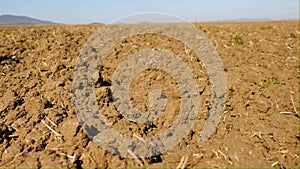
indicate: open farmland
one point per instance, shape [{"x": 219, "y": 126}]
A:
[{"x": 259, "y": 127}]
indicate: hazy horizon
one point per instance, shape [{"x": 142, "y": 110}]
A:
[{"x": 84, "y": 12}]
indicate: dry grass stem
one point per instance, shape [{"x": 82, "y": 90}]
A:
[
  {"x": 51, "y": 122},
  {"x": 222, "y": 154},
  {"x": 286, "y": 112},
  {"x": 90, "y": 157},
  {"x": 135, "y": 157},
  {"x": 292, "y": 113},
  {"x": 257, "y": 134},
  {"x": 216, "y": 153},
  {"x": 69, "y": 156},
  {"x": 13, "y": 136},
  {"x": 294, "y": 105},
  {"x": 274, "y": 164},
  {"x": 138, "y": 137},
  {"x": 51, "y": 129},
  {"x": 198, "y": 155},
  {"x": 182, "y": 162}
]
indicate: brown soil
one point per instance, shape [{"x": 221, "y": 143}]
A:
[{"x": 261, "y": 65}]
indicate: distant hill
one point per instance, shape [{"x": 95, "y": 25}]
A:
[
  {"x": 96, "y": 23},
  {"x": 21, "y": 20},
  {"x": 254, "y": 19},
  {"x": 246, "y": 19}
]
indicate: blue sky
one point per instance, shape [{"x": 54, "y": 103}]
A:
[{"x": 87, "y": 11}]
